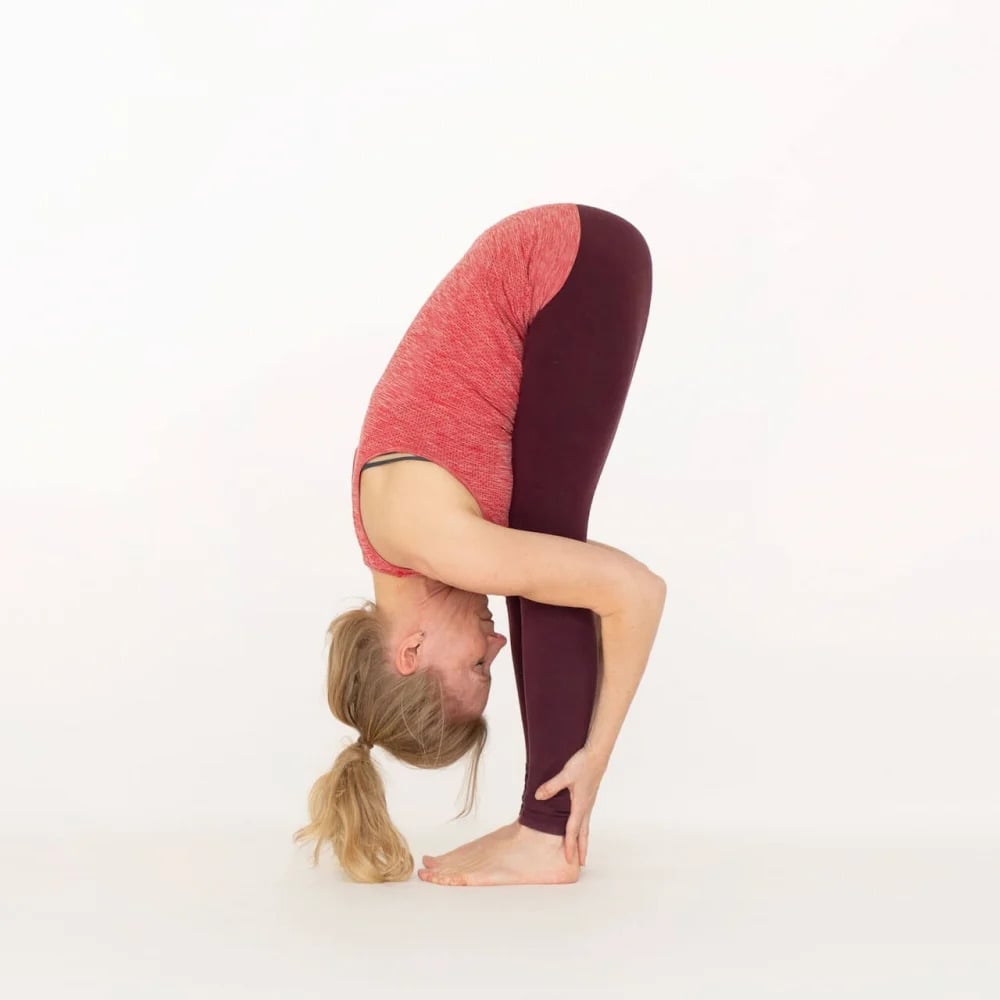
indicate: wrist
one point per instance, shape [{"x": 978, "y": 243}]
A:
[{"x": 598, "y": 753}]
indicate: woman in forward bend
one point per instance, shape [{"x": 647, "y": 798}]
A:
[{"x": 477, "y": 463}]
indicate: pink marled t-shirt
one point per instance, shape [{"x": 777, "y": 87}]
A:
[{"x": 449, "y": 392}]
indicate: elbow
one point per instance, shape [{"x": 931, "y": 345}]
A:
[
  {"x": 659, "y": 586},
  {"x": 648, "y": 589}
]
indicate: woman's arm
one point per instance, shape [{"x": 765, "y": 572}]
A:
[
  {"x": 600, "y": 661},
  {"x": 463, "y": 550},
  {"x": 626, "y": 637},
  {"x": 626, "y": 640},
  {"x": 597, "y": 626}
]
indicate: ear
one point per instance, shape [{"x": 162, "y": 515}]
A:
[{"x": 407, "y": 655}]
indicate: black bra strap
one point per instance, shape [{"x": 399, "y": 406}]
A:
[{"x": 403, "y": 458}]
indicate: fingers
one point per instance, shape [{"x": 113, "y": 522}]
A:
[
  {"x": 570, "y": 843},
  {"x": 584, "y": 841},
  {"x": 550, "y": 787}
]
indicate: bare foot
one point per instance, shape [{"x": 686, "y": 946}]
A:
[
  {"x": 526, "y": 857},
  {"x": 466, "y": 850}
]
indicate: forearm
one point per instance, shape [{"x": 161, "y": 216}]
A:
[
  {"x": 600, "y": 667},
  {"x": 626, "y": 640}
]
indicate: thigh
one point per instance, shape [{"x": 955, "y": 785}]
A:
[{"x": 579, "y": 356}]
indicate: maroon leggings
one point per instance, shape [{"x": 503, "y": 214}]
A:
[{"x": 579, "y": 355}]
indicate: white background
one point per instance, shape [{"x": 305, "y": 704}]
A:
[{"x": 218, "y": 219}]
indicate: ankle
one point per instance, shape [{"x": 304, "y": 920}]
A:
[{"x": 529, "y": 832}]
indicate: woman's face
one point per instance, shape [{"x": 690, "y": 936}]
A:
[{"x": 461, "y": 644}]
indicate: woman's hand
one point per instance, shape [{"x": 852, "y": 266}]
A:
[{"x": 582, "y": 775}]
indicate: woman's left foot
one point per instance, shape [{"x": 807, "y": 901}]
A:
[{"x": 529, "y": 857}]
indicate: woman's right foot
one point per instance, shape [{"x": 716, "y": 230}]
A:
[{"x": 467, "y": 851}]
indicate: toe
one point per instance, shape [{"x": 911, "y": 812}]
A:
[
  {"x": 428, "y": 875},
  {"x": 440, "y": 877}
]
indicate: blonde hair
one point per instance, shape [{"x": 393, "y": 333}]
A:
[{"x": 410, "y": 715}]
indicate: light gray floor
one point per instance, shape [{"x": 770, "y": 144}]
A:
[{"x": 655, "y": 914}]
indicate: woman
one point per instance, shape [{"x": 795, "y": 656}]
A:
[{"x": 479, "y": 455}]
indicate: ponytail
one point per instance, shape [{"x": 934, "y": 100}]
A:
[{"x": 348, "y": 810}]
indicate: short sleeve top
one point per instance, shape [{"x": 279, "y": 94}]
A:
[{"x": 450, "y": 390}]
